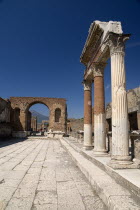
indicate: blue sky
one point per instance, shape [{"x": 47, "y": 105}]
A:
[{"x": 41, "y": 42}]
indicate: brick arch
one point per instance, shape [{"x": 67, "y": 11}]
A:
[
  {"x": 24, "y": 104},
  {"x": 36, "y": 102}
]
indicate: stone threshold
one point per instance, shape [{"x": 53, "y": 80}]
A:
[{"x": 119, "y": 189}]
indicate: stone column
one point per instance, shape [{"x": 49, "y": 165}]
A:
[
  {"x": 99, "y": 110},
  {"x": 87, "y": 115},
  {"x": 120, "y": 139}
]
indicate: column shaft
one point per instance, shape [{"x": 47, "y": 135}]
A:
[
  {"x": 99, "y": 111},
  {"x": 120, "y": 140},
  {"x": 87, "y": 116}
]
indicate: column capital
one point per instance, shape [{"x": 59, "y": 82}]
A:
[
  {"x": 99, "y": 69},
  {"x": 116, "y": 43},
  {"x": 87, "y": 84}
]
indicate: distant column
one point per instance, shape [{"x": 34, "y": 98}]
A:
[
  {"x": 120, "y": 140},
  {"x": 99, "y": 110},
  {"x": 87, "y": 115}
]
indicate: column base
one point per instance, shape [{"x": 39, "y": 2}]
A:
[
  {"x": 87, "y": 147},
  {"x": 121, "y": 162},
  {"x": 100, "y": 153},
  {"x": 87, "y": 137}
]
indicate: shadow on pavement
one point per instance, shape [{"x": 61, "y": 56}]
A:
[{"x": 9, "y": 141}]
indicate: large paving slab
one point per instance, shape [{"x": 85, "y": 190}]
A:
[{"x": 39, "y": 174}]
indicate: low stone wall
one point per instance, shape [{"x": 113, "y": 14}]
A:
[
  {"x": 55, "y": 134},
  {"x": 20, "y": 134},
  {"x": 5, "y": 130}
]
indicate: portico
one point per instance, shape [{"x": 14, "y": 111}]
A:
[{"x": 106, "y": 40}]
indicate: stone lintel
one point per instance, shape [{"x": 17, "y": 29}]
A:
[{"x": 97, "y": 33}]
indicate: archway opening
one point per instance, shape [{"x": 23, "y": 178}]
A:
[
  {"x": 57, "y": 115},
  {"x": 38, "y": 116}
]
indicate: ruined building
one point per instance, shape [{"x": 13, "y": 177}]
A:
[{"x": 16, "y": 119}]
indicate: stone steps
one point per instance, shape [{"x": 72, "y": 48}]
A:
[
  {"x": 114, "y": 195},
  {"x": 128, "y": 178}
]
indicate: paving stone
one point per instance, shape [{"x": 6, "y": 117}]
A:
[
  {"x": 5, "y": 195},
  {"x": 47, "y": 174},
  {"x": 20, "y": 204},
  {"x": 49, "y": 206},
  {"x": 45, "y": 197},
  {"x": 15, "y": 175},
  {"x": 69, "y": 197},
  {"x": 46, "y": 185}
]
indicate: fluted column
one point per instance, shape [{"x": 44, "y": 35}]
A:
[
  {"x": 99, "y": 110},
  {"x": 87, "y": 115},
  {"x": 120, "y": 140}
]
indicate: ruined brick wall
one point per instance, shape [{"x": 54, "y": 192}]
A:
[
  {"x": 24, "y": 103},
  {"x": 5, "y": 124},
  {"x": 76, "y": 124}
]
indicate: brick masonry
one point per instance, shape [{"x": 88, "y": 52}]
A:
[{"x": 24, "y": 103}]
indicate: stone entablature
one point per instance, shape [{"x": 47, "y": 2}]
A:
[
  {"x": 104, "y": 39},
  {"x": 95, "y": 46},
  {"x": 24, "y": 103}
]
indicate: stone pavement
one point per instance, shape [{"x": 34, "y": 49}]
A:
[{"x": 39, "y": 174}]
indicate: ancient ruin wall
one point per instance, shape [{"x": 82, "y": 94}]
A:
[
  {"x": 24, "y": 103},
  {"x": 5, "y": 125}
]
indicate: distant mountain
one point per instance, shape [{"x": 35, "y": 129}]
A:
[{"x": 39, "y": 116}]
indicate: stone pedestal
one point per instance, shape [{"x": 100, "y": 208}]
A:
[
  {"x": 87, "y": 116},
  {"x": 99, "y": 110},
  {"x": 120, "y": 139},
  {"x": 55, "y": 134}
]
